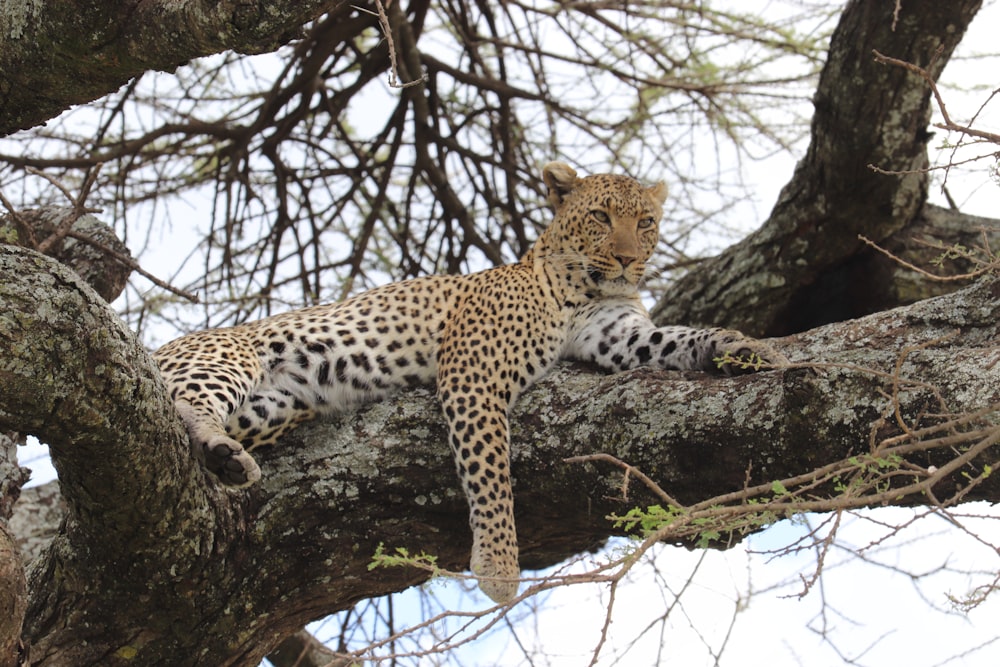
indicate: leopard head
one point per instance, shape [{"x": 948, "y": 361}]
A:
[{"x": 605, "y": 224}]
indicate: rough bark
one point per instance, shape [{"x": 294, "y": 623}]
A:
[
  {"x": 304, "y": 650},
  {"x": 157, "y": 564},
  {"x": 54, "y": 54},
  {"x": 82, "y": 242},
  {"x": 13, "y": 600},
  {"x": 13, "y": 587},
  {"x": 798, "y": 270}
]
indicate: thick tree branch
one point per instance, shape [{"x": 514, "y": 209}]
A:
[
  {"x": 223, "y": 576},
  {"x": 87, "y": 245},
  {"x": 54, "y": 54},
  {"x": 787, "y": 276}
]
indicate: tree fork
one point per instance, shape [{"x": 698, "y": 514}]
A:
[{"x": 793, "y": 273}]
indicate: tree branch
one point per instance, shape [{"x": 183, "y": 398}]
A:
[
  {"x": 224, "y": 575},
  {"x": 52, "y": 55},
  {"x": 788, "y": 275}
]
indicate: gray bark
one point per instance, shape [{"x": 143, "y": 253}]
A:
[
  {"x": 13, "y": 587},
  {"x": 805, "y": 266},
  {"x": 157, "y": 563},
  {"x": 54, "y": 54}
]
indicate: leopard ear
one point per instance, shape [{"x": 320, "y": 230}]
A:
[
  {"x": 560, "y": 179},
  {"x": 658, "y": 192}
]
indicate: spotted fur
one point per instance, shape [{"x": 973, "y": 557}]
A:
[{"x": 483, "y": 338}]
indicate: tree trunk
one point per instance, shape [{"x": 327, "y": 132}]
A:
[
  {"x": 156, "y": 564},
  {"x": 800, "y": 269}
]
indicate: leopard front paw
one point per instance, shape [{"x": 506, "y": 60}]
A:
[
  {"x": 498, "y": 573},
  {"x": 231, "y": 462},
  {"x": 738, "y": 355}
]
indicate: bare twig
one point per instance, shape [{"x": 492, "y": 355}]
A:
[
  {"x": 383, "y": 21},
  {"x": 986, "y": 268},
  {"x": 948, "y": 123},
  {"x": 629, "y": 471},
  {"x": 65, "y": 228},
  {"x": 78, "y": 202},
  {"x": 132, "y": 264}
]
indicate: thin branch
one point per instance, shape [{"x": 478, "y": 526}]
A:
[
  {"x": 948, "y": 123},
  {"x": 132, "y": 264},
  {"x": 78, "y": 203},
  {"x": 383, "y": 21},
  {"x": 964, "y": 276}
]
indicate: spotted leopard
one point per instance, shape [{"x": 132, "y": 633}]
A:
[{"x": 484, "y": 338}]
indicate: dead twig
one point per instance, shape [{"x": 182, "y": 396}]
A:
[
  {"x": 132, "y": 264},
  {"x": 78, "y": 203},
  {"x": 629, "y": 471},
  {"x": 383, "y": 21},
  {"x": 986, "y": 268},
  {"x": 65, "y": 228},
  {"x": 948, "y": 123}
]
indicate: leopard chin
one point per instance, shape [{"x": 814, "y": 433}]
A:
[{"x": 620, "y": 286}]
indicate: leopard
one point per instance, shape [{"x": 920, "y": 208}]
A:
[{"x": 481, "y": 338}]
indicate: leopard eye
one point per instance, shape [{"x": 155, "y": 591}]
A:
[
  {"x": 646, "y": 223},
  {"x": 601, "y": 216}
]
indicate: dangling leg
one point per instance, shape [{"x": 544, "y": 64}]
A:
[{"x": 480, "y": 442}]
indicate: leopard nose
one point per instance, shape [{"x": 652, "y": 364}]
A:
[{"x": 625, "y": 260}]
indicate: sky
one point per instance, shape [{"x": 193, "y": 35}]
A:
[{"x": 748, "y": 606}]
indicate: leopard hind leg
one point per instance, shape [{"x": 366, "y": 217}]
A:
[
  {"x": 220, "y": 454},
  {"x": 210, "y": 374}
]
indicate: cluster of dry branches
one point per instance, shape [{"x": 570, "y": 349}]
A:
[{"x": 308, "y": 177}]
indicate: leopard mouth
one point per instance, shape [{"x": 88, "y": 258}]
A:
[{"x": 599, "y": 277}]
